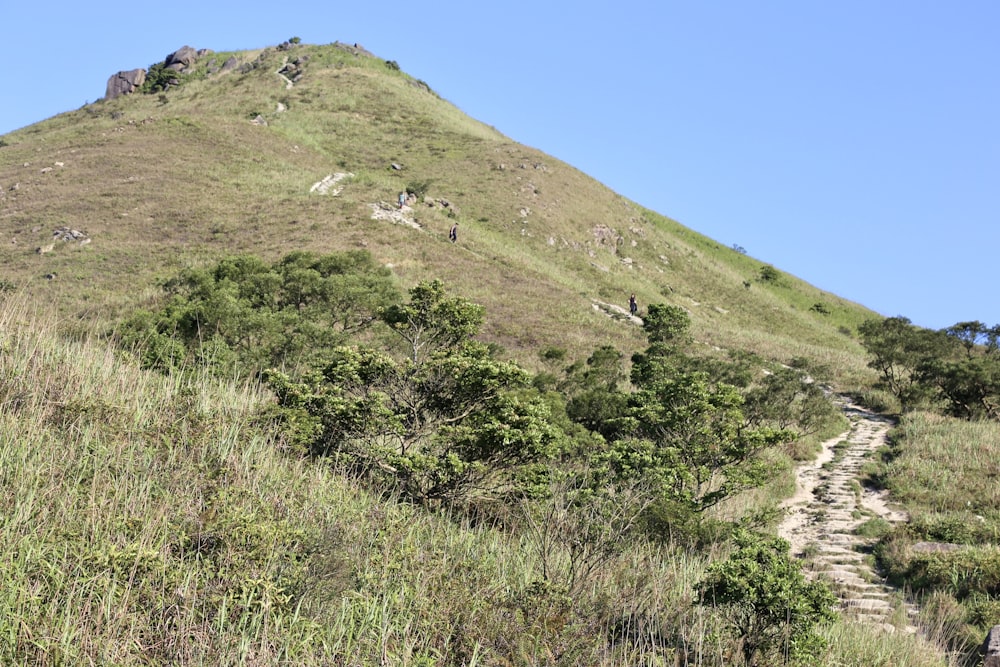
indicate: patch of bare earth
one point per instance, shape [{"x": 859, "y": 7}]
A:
[{"x": 823, "y": 516}]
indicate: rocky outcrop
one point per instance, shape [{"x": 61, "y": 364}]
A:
[
  {"x": 991, "y": 648},
  {"x": 355, "y": 49},
  {"x": 181, "y": 59},
  {"x": 68, "y": 234},
  {"x": 291, "y": 71},
  {"x": 125, "y": 83}
]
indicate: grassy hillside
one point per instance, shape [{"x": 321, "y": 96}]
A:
[
  {"x": 167, "y": 180},
  {"x": 165, "y": 519},
  {"x": 153, "y": 520}
]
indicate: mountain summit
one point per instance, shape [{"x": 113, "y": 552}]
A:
[{"x": 328, "y": 147}]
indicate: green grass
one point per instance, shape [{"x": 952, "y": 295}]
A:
[
  {"x": 154, "y": 519},
  {"x": 941, "y": 470},
  {"x": 159, "y": 186},
  {"x": 945, "y": 465},
  {"x": 159, "y": 520}
]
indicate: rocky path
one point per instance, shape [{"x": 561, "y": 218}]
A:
[{"x": 825, "y": 512}]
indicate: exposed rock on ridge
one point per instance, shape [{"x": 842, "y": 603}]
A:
[
  {"x": 181, "y": 59},
  {"x": 125, "y": 83}
]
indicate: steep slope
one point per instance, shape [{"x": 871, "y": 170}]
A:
[{"x": 227, "y": 162}]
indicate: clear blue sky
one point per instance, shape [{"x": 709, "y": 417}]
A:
[{"x": 854, "y": 144}]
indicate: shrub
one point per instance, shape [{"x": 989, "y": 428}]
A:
[
  {"x": 767, "y": 600},
  {"x": 245, "y": 315},
  {"x": 954, "y": 527},
  {"x": 769, "y": 274},
  {"x": 820, "y": 307},
  {"x": 419, "y": 188},
  {"x": 876, "y": 527},
  {"x": 159, "y": 77},
  {"x": 438, "y": 419},
  {"x": 961, "y": 573}
]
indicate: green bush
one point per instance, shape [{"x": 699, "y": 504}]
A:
[
  {"x": 419, "y": 188},
  {"x": 436, "y": 418},
  {"x": 159, "y": 77},
  {"x": 982, "y": 610},
  {"x": 244, "y": 315},
  {"x": 962, "y": 573},
  {"x": 767, "y": 600},
  {"x": 954, "y": 527},
  {"x": 769, "y": 274},
  {"x": 876, "y": 528},
  {"x": 820, "y": 307}
]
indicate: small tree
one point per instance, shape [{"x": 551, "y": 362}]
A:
[
  {"x": 767, "y": 600},
  {"x": 159, "y": 78},
  {"x": 432, "y": 320},
  {"x": 785, "y": 398},
  {"x": 440, "y": 420},
  {"x": 698, "y": 441},
  {"x": 595, "y": 400},
  {"x": 897, "y": 349}
]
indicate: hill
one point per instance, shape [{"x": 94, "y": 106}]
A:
[
  {"x": 308, "y": 147},
  {"x": 163, "y": 519}
]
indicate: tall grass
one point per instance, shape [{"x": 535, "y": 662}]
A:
[
  {"x": 152, "y": 519},
  {"x": 854, "y": 644},
  {"x": 945, "y": 465},
  {"x": 941, "y": 469}
]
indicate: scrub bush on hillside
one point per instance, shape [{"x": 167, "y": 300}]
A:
[{"x": 244, "y": 315}]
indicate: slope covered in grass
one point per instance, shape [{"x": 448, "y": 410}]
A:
[
  {"x": 162, "y": 181},
  {"x": 150, "y": 519},
  {"x": 154, "y": 519}
]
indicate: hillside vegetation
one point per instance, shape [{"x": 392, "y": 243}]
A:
[
  {"x": 152, "y": 519},
  {"x": 254, "y": 411},
  {"x": 160, "y": 182}
]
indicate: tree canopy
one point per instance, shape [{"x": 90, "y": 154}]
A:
[
  {"x": 956, "y": 368},
  {"x": 244, "y": 315},
  {"x": 442, "y": 420}
]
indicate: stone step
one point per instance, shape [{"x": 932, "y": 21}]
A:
[
  {"x": 824, "y": 526},
  {"x": 868, "y": 605}
]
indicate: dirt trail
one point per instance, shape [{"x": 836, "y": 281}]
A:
[{"x": 829, "y": 505}]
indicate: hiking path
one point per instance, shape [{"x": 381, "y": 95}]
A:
[{"x": 823, "y": 516}]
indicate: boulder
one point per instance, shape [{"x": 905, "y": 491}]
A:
[
  {"x": 125, "y": 83},
  {"x": 181, "y": 59},
  {"x": 935, "y": 547},
  {"x": 991, "y": 648}
]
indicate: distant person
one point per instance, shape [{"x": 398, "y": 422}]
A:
[
  {"x": 402, "y": 199},
  {"x": 632, "y": 306},
  {"x": 453, "y": 234}
]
